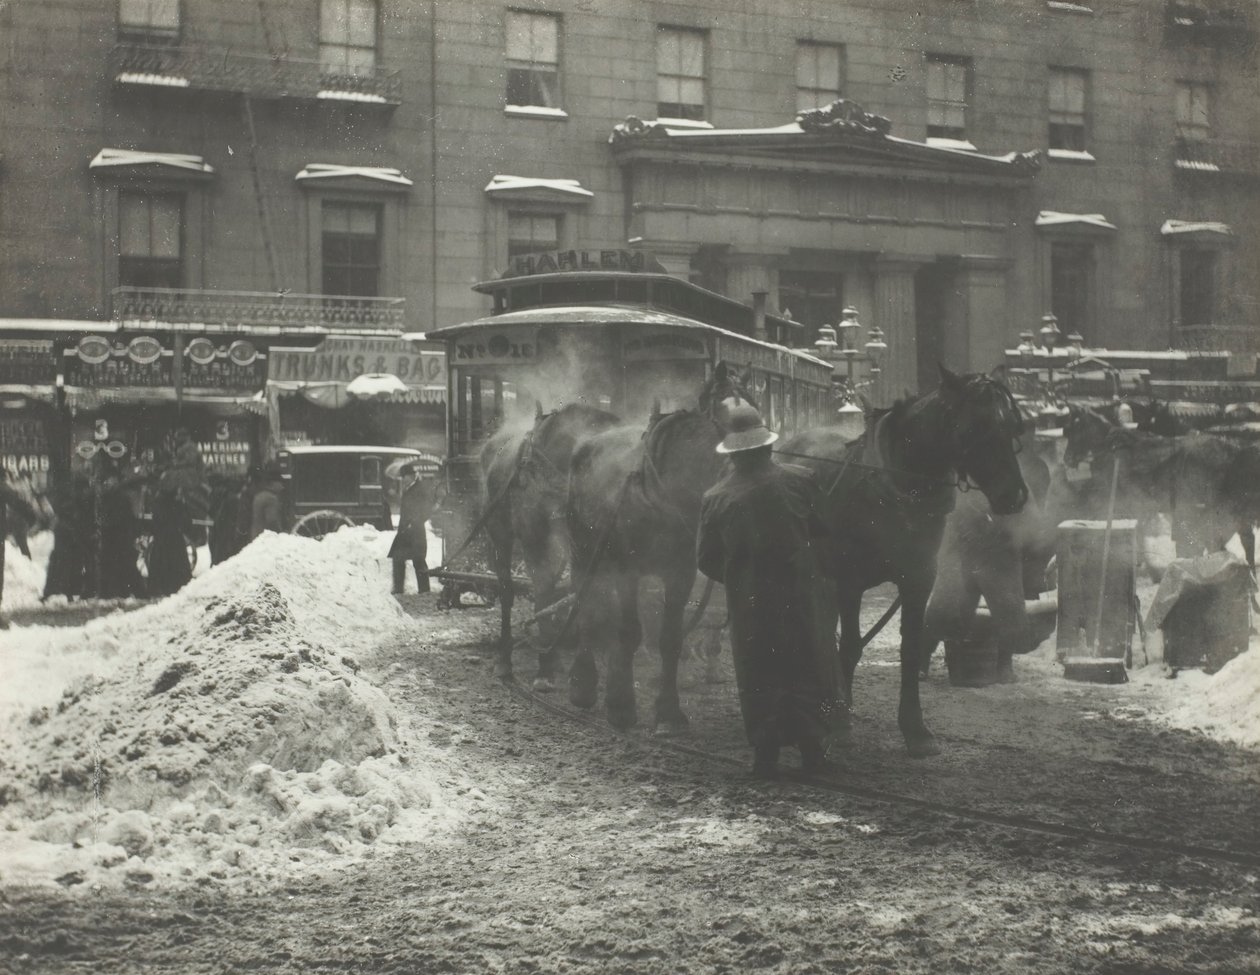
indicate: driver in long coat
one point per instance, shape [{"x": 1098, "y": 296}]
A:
[{"x": 763, "y": 539}]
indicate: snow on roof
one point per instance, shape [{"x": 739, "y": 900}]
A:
[
  {"x": 150, "y": 78},
  {"x": 1172, "y": 227},
  {"x": 503, "y": 182},
  {"x": 331, "y": 171},
  {"x": 108, "y": 158},
  {"x": 1058, "y": 218}
]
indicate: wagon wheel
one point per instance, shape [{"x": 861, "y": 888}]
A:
[{"x": 317, "y": 524}]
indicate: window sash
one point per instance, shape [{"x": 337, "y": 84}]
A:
[
  {"x": 347, "y": 35},
  {"x": 1193, "y": 105},
  {"x": 533, "y": 38},
  {"x": 680, "y": 73},
  {"x": 947, "y": 86},
  {"x": 149, "y": 226},
  {"x": 159, "y": 15},
  {"x": 818, "y": 74},
  {"x": 1071, "y": 272},
  {"x": 529, "y": 233},
  {"x": 1198, "y": 287},
  {"x": 351, "y": 243}
]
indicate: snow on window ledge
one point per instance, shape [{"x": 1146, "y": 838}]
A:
[
  {"x": 146, "y": 78},
  {"x": 940, "y": 143},
  {"x": 534, "y": 111},
  {"x": 682, "y": 123},
  {"x": 333, "y": 94},
  {"x": 1070, "y": 8},
  {"x": 1071, "y": 155}
]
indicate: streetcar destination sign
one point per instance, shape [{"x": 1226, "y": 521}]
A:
[{"x": 552, "y": 262}]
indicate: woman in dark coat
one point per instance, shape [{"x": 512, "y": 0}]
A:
[
  {"x": 169, "y": 568},
  {"x": 74, "y": 516},
  {"x": 117, "y": 530},
  {"x": 411, "y": 543}
]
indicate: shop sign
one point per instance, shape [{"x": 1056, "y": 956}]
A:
[
  {"x": 201, "y": 351},
  {"x": 660, "y": 343},
  {"x": 227, "y": 450},
  {"x": 28, "y": 362},
  {"x": 341, "y": 359},
  {"x": 552, "y": 262},
  {"x": 508, "y": 346},
  {"x": 23, "y": 448},
  {"x": 143, "y": 362}
]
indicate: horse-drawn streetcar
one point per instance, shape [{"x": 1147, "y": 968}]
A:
[{"x": 621, "y": 336}]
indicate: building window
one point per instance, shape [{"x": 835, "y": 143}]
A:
[
  {"x": 1193, "y": 104},
  {"x": 1071, "y": 286},
  {"x": 680, "y": 73},
  {"x": 150, "y": 251},
  {"x": 347, "y": 37},
  {"x": 819, "y": 73},
  {"x": 152, "y": 21},
  {"x": 533, "y": 59},
  {"x": 351, "y": 241},
  {"x": 1198, "y": 287},
  {"x": 1068, "y": 90},
  {"x": 529, "y": 233},
  {"x": 948, "y": 82}
]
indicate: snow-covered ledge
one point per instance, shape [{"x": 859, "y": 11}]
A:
[
  {"x": 516, "y": 184},
  {"x": 1071, "y": 155},
  {"x": 535, "y": 111}
]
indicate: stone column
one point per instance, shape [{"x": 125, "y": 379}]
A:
[
  {"x": 893, "y": 312},
  {"x": 746, "y": 274}
]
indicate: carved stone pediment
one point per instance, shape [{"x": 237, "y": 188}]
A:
[
  {"x": 843, "y": 115},
  {"x": 634, "y": 129}
]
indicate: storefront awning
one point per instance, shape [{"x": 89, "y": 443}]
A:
[{"x": 336, "y": 394}]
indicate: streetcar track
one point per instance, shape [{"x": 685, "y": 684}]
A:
[{"x": 1026, "y": 824}]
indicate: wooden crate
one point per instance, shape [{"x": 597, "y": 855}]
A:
[{"x": 1081, "y": 570}]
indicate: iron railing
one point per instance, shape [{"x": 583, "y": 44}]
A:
[
  {"x": 1215, "y": 156},
  {"x": 255, "y": 309},
  {"x": 1216, "y": 338},
  {"x": 205, "y": 68}
]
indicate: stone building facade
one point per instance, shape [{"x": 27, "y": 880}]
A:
[{"x": 300, "y": 167}]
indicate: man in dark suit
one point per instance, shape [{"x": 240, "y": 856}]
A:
[{"x": 419, "y": 499}]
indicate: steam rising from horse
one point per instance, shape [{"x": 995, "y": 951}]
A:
[
  {"x": 525, "y": 475},
  {"x": 887, "y": 495},
  {"x": 634, "y": 506}
]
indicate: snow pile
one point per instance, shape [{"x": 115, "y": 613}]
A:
[
  {"x": 1225, "y": 705},
  {"x": 23, "y": 577},
  {"x": 222, "y": 733}
]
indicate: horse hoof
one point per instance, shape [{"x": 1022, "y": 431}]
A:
[
  {"x": 543, "y": 685},
  {"x": 583, "y": 681},
  {"x": 674, "y": 728},
  {"x": 503, "y": 671},
  {"x": 924, "y": 747},
  {"x": 622, "y": 719}
]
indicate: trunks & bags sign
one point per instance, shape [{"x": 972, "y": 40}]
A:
[
  {"x": 344, "y": 359},
  {"x": 144, "y": 361}
]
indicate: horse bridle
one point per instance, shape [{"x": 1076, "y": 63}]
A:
[{"x": 965, "y": 480}]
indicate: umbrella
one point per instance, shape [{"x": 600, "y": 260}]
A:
[
  {"x": 397, "y": 468},
  {"x": 376, "y": 385}
]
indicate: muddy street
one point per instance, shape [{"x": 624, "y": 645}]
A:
[{"x": 593, "y": 851}]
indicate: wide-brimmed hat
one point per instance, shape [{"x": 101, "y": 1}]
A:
[{"x": 746, "y": 431}]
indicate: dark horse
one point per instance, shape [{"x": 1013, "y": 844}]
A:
[
  {"x": 886, "y": 496},
  {"x": 634, "y": 509},
  {"x": 525, "y": 474},
  {"x": 1207, "y": 484}
]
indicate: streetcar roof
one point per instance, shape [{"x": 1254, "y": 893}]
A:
[{"x": 598, "y": 315}]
